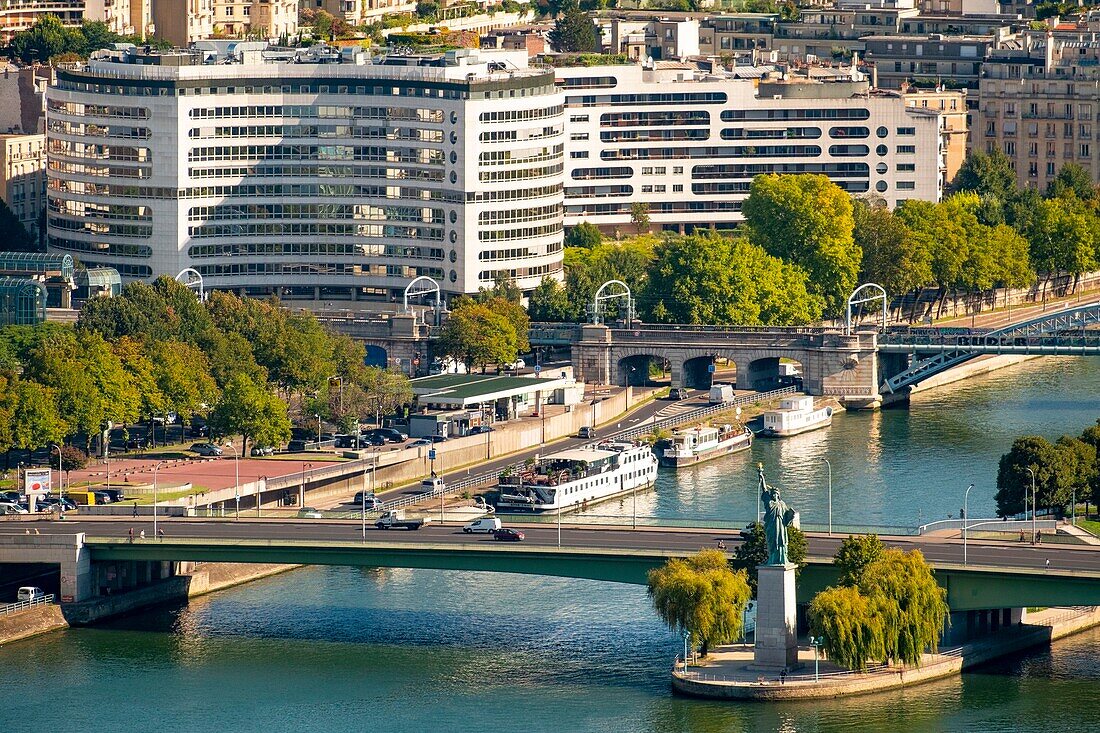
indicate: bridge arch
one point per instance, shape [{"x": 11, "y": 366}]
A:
[
  {"x": 376, "y": 356},
  {"x": 763, "y": 372},
  {"x": 633, "y": 368}
]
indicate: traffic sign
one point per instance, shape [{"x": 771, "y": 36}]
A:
[
  {"x": 710, "y": 368},
  {"x": 537, "y": 368},
  {"x": 431, "y": 454}
]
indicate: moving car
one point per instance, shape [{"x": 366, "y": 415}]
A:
[
  {"x": 485, "y": 524},
  {"x": 479, "y": 429},
  {"x": 115, "y": 494},
  {"x": 587, "y": 432},
  {"x": 29, "y": 593},
  {"x": 368, "y": 499},
  {"x": 206, "y": 449},
  {"x": 506, "y": 534},
  {"x": 308, "y": 512},
  {"x": 678, "y": 393},
  {"x": 419, "y": 442},
  {"x": 263, "y": 450}
]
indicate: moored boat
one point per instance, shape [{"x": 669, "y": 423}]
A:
[
  {"x": 796, "y": 415},
  {"x": 704, "y": 443}
]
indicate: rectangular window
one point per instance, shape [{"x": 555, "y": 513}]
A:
[
  {"x": 907, "y": 185},
  {"x": 907, "y": 131},
  {"x": 907, "y": 149},
  {"x": 578, "y": 118},
  {"x": 907, "y": 167},
  {"x": 677, "y": 187},
  {"x": 578, "y": 154},
  {"x": 1085, "y": 150}
]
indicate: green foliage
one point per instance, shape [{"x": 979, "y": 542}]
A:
[
  {"x": 72, "y": 458},
  {"x": 183, "y": 377},
  {"x": 702, "y": 595},
  {"x": 754, "y": 551},
  {"x": 1061, "y": 234},
  {"x": 894, "y": 256},
  {"x": 14, "y": 237},
  {"x": 639, "y": 215},
  {"x": 856, "y": 552},
  {"x": 35, "y": 420},
  {"x": 251, "y": 411},
  {"x": 593, "y": 59},
  {"x": 707, "y": 278},
  {"x": 987, "y": 174},
  {"x": 1014, "y": 480},
  {"x": 48, "y": 39},
  {"x": 477, "y": 335},
  {"x": 892, "y": 611},
  {"x": 586, "y": 269},
  {"x": 583, "y": 235},
  {"x": 574, "y": 31},
  {"x": 806, "y": 220},
  {"x": 1073, "y": 180},
  {"x": 550, "y": 302}
]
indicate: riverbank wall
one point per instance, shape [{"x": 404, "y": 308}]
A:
[
  {"x": 197, "y": 581},
  {"x": 730, "y": 680}
]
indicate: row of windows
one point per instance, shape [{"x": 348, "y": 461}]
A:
[
  {"x": 111, "y": 248},
  {"x": 316, "y": 229},
  {"x": 238, "y": 249},
  {"x": 591, "y": 174},
  {"x": 358, "y": 212},
  {"x": 517, "y": 253},
  {"x": 520, "y": 174},
  {"x": 243, "y": 190},
  {"x": 525, "y": 155},
  {"x": 91, "y": 129},
  {"x": 518, "y": 272},
  {"x": 598, "y": 191},
  {"x": 114, "y": 171},
  {"x": 330, "y": 268},
  {"x": 619, "y": 136},
  {"x": 750, "y": 171},
  {"x": 654, "y": 98},
  {"x": 276, "y": 170},
  {"x": 116, "y": 212},
  {"x": 93, "y": 151},
  {"x": 317, "y": 152},
  {"x": 734, "y": 187},
  {"x": 511, "y": 216},
  {"x": 497, "y": 235},
  {"x": 375, "y": 132},
  {"x": 839, "y": 113},
  {"x": 790, "y": 133},
  {"x": 312, "y": 88},
  {"x": 320, "y": 111},
  {"x": 589, "y": 82},
  {"x": 98, "y": 110},
  {"x": 514, "y": 194},
  {"x": 518, "y": 115},
  {"x": 736, "y": 151},
  {"x": 669, "y": 118},
  {"x": 655, "y": 207},
  {"x": 100, "y": 228},
  {"x": 534, "y": 133}
]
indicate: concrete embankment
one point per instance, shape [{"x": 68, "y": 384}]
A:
[
  {"x": 203, "y": 579},
  {"x": 729, "y": 675}
]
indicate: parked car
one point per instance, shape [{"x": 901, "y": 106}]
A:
[
  {"x": 479, "y": 429},
  {"x": 419, "y": 442},
  {"x": 485, "y": 524},
  {"x": 587, "y": 432},
  {"x": 9, "y": 496},
  {"x": 371, "y": 439},
  {"x": 678, "y": 393},
  {"x": 199, "y": 428},
  {"x": 102, "y": 497},
  {"x": 367, "y": 499},
  {"x": 171, "y": 417},
  {"x": 115, "y": 494},
  {"x": 437, "y": 438},
  {"x": 391, "y": 434},
  {"x": 506, "y": 534},
  {"x": 296, "y": 446},
  {"x": 29, "y": 593},
  {"x": 263, "y": 450},
  {"x": 206, "y": 449},
  {"x": 9, "y": 507},
  {"x": 308, "y": 512}
]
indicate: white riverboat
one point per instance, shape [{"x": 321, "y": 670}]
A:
[
  {"x": 695, "y": 445},
  {"x": 576, "y": 478},
  {"x": 796, "y": 415}
]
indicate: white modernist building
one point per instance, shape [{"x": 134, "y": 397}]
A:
[
  {"x": 688, "y": 143},
  {"x": 313, "y": 174}
]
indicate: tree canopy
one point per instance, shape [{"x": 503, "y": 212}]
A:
[
  {"x": 701, "y": 594},
  {"x": 753, "y": 552},
  {"x": 574, "y": 31}
]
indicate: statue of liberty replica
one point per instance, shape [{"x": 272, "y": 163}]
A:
[{"x": 776, "y": 647}]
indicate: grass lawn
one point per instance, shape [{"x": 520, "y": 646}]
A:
[{"x": 1089, "y": 525}]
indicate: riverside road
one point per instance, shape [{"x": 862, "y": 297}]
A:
[{"x": 1063, "y": 559}]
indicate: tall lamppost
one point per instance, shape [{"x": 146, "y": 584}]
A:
[
  {"x": 261, "y": 483},
  {"x": 966, "y": 517},
  {"x": 816, "y": 642},
  {"x": 60, "y": 483},
  {"x": 830, "y": 466},
  {"x": 318, "y": 419},
  {"x": 155, "y": 469},
  {"x": 687, "y": 635},
  {"x": 302, "y": 486},
  {"x": 236, "y": 483},
  {"x": 1033, "y": 532}
]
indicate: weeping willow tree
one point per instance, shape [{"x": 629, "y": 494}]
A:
[
  {"x": 892, "y": 610},
  {"x": 702, "y": 595}
]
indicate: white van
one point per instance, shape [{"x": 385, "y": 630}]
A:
[
  {"x": 29, "y": 593},
  {"x": 485, "y": 524}
]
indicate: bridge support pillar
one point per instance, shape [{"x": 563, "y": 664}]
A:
[{"x": 776, "y": 646}]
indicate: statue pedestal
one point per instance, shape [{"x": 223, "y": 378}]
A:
[{"x": 776, "y": 647}]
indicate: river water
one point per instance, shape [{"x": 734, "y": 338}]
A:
[{"x": 356, "y": 649}]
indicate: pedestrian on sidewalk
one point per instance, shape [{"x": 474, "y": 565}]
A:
[
  {"x": 131, "y": 535},
  {"x": 142, "y": 535},
  {"x": 1048, "y": 563},
  {"x": 160, "y": 533}
]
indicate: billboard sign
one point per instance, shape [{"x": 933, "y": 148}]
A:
[{"x": 36, "y": 481}]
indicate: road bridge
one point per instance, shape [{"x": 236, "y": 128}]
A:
[{"x": 998, "y": 574}]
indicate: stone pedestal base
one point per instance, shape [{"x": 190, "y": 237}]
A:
[{"x": 776, "y": 646}]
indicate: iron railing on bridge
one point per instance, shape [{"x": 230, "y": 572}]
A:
[{"x": 24, "y": 605}]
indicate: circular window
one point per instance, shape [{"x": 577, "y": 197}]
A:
[
  {"x": 880, "y": 186},
  {"x": 882, "y": 132},
  {"x": 454, "y": 217},
  {"x": 454, "y": 157},
  {"x": 881, "y": 168},
  {"x": 454, "y": 176},
  {"x": 454, "y": 237},
  {"x": 454, "y": 138},
  {"x": 454, "y": 255},
  {"x": 454, "y": 118},
  {"x": 881, "y": 150},
  {"x": 454, "y": 276}
]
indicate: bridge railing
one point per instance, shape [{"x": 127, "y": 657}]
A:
[
  {"x": 1007, "y": 525},
  {"x": 24, "y": 605}
]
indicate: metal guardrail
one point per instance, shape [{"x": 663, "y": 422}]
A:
[
  {"x": 671, "y": 421},
  {"x": 1006, "y": 525},
  {"x": 23, "y": 605}
]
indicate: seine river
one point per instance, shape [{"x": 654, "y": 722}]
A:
[{"x": 350, "y": 649}]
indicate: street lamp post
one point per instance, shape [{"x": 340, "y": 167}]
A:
[
  {"x": 966, "y": 517},
  {"x": 830, "y": 466},
  {"x": 363, "y": 507},
  {"x": 816, "y": 642},
  {"x": 60, "y": 483},
  {"x": 687, "y": 635},
  {"x": 237, "y": 484},
  {"x": 1033, "y": 533},
  {"x": 302, "y": 486},
  {"x": 155, "y": 469},
  {"x": 261, "y": 484},
  {"x": 318, "y": 418}
]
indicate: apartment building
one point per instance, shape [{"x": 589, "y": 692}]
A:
[
  {"x": 358, "y": 12},
  {"x": 737, "y": 33},
  {"x": 688, "y": 143},
  {"x": 19, "y": 15},
  {"x": 954, "y": 122},
  {"x": 23, "y": 177},
  {"x": 183, "y": 21},
  {"x": 1039, "y": 105},
  {"x": 311, "y": 174},
  {"x": 932, "y": 58},
  {"x": 267, "y": 19},
  {"x": 826, "y": 32}
]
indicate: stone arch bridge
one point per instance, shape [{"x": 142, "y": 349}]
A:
[{"x": 829, "y": 362}]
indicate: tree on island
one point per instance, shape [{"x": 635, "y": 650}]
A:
[
  {"x": 702, "y": 595},
  {"x": 753, "y": 552},
  {"x": 890, "y": 611}
]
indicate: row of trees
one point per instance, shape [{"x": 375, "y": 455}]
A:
[
  {"x": 48, "y": 39},
  {"x": 488, "y": 328},
  {"x": 1064, "y": 471},
  {"x": 156, "y": 349}
]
